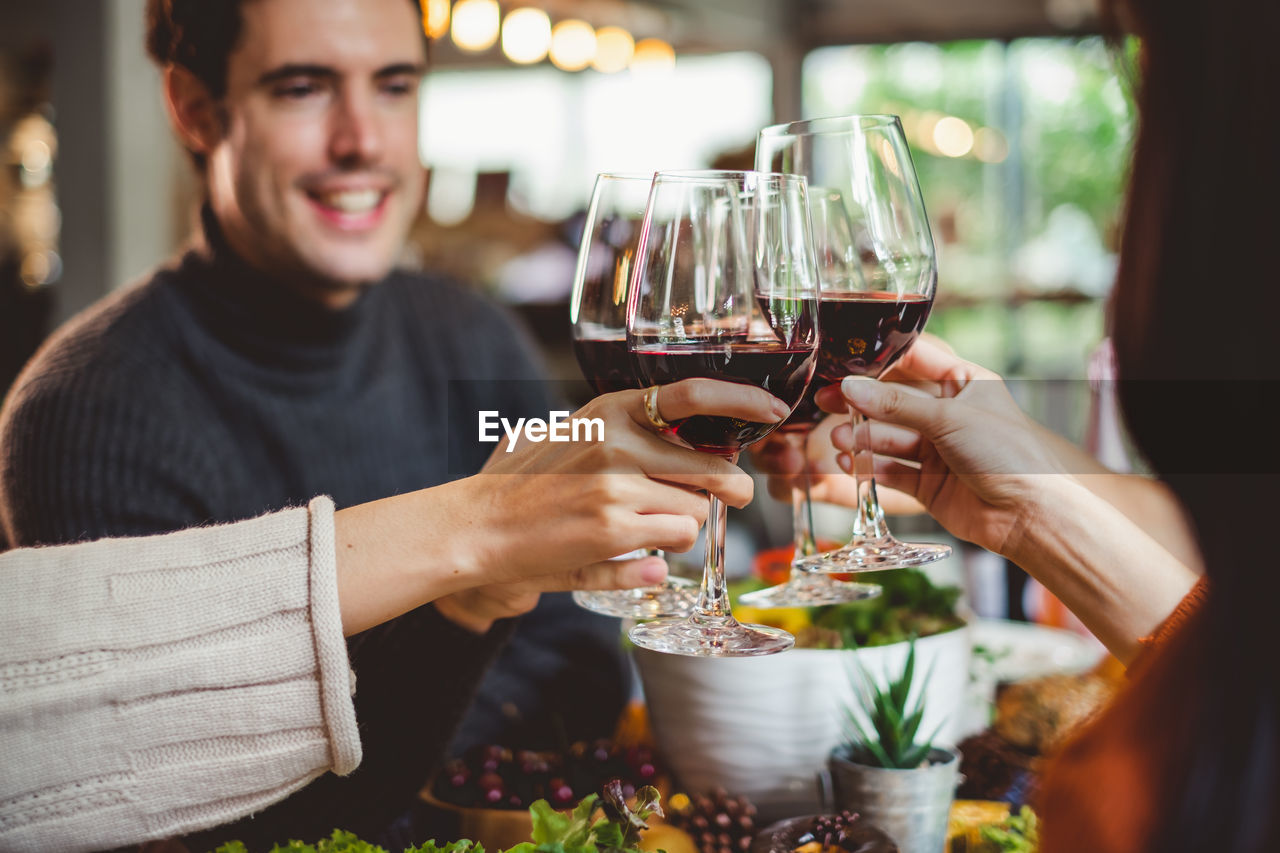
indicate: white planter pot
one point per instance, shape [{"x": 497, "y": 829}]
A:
[{"x": 763, "y": 727}]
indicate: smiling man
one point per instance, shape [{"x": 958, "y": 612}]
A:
[
  {"x": 313, "y": 167},
  {"x": 285, "y": 357}
]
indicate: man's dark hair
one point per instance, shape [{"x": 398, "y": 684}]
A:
[{"x": 198, "y": 35}]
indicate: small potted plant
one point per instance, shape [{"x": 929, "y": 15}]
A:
[
  {"x": 764, "y": 727},
  {"x": 887, "y": 772}
]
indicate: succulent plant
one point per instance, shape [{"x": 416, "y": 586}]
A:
[{"x": 892, "y": 741}]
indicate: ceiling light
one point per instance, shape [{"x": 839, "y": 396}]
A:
[
  {"x": 526, "y": 35},
  {"x": 475, "y": 24},
  {"x": 435, "y": 18},
  {"x": 653, "y": 55},
  {"x": 573, "y": 45},
  {"x": 614, "y": 49}
]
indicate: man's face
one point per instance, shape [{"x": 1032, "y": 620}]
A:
[{"x": 317, "y": 176}]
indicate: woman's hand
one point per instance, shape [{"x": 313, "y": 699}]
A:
[
  {"x": 549, "y": 516},
  {"x": 570, "y": 504},
  {"x": 953, "y": 439},
  {"x": 781, "y": 459}
]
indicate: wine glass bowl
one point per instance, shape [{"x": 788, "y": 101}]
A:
[
  {"x": 868, "y": 319},
  {"x": 725, "y": 287},
  {"x": 598, "y": 319}
]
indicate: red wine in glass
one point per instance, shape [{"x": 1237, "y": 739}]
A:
[
  {"x": 606, "y": 364},
  {"x": 781, "y": 370},
  {"x": 863, "y": 333}
]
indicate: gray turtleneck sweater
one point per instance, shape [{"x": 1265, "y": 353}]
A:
[{"x": 211, "y": 393}]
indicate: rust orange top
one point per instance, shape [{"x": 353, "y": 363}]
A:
[{"x": 1100, "y": 792}]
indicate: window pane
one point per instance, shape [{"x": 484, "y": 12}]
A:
[
  {"x": 1021, "y": 150},
  {"x": 554, "y": 131}
]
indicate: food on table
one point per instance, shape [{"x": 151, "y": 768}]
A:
[
  {"x": 993, "y": 769},
  {"x": 665, "y": 838},
  {"x": 618, "y": 830},
  {"x": 1040, "y": 714},
  {"x": 717, "y": 822},
  {"x": 845, "y": 832},
  {"x": 1033, "y": 719},
  {"x": 500, "y": 778},
  {"x": 987, "y": 827},
  {"x": 908, "y": 605}
]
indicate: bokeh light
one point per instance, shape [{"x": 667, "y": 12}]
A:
[
  {"x": 614, "y": 49},
  {"x": 573, "y": 45},
  {"x": 475, "y": 24},
  {"x": 526, "y": 35},
  {"x": 653, "y": 55},
  {"x": 953, "y": 136}
]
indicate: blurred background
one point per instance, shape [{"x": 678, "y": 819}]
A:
[{"x": 1018, "y": 114}]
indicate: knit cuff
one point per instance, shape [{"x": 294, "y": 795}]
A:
[
  {"x": 1192, "y": 602},
  {"x": 337, "y": 681}
]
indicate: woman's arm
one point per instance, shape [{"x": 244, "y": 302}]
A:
[
  {"x": 987, "y": 474},
  {"x": 157, "y": 685},
  {"x": 546, "y": 516},
  {"x": 927, "y": 366},
  {"x": 1116, "y": 578}
]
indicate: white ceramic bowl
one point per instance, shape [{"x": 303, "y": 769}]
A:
[{"x": 763, "y": 727}]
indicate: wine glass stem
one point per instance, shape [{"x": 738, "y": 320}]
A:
[
  {"x": 712, "y": 606},
  {"x": 802, "y": 505},
  {"x": 869, "y": 523}
]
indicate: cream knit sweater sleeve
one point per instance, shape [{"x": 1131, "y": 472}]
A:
[{"x": 154, "y": 686}]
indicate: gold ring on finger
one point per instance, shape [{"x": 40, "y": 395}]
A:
[{"x": 651, "y": 408}]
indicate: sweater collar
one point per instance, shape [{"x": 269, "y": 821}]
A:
[{"x": 260, "y": 315}]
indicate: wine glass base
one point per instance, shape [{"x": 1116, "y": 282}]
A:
[
  {"x": 873, "y": 555},
  {"x": 727, "y": 638},
  {"x": 810, "y": 590},
  {"x": 673, "y": 597}
]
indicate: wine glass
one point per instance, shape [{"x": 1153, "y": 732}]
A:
[
  {"x": 598, "y": 316},
  {"x": 725, "y": 286},
  {"x": 833, "y": 248},
  {"x": 867, "y": 322}
]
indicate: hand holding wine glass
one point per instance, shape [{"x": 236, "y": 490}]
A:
[
  {"x": 956, "y": 441},
  {"x": 724, "y": 287},
  {"x": 575, "y": 504}
]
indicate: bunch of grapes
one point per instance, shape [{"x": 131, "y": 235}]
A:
[{"x": 500, "y": 778}]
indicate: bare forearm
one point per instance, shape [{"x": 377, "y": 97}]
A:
[
  {"x": 399, "y": 553},
  {"x": 1148, "y": 503},
  {"x": 1119, "y": 580}
]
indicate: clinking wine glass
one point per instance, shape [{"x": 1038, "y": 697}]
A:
[
  {"x": 598, "y": 317},
  {"x": 725, "y": 287},
  {"x": 867, "y": 322},
  {"x": 837, "y": 263}
]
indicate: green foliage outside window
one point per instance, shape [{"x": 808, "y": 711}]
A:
[{"x": 1026, "y": 225}]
